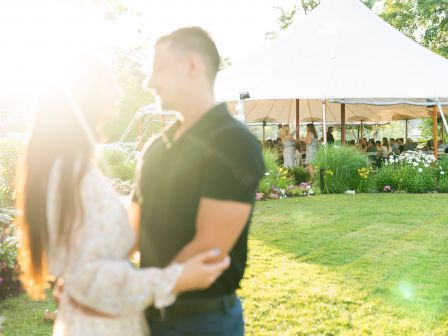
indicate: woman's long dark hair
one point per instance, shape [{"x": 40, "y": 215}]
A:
[
  {"x": 56, "y": 134},
  {"x": 312, "y": 129}
]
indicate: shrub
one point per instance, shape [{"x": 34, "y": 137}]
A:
[
  {"x": 300, "y": 175},
  {"x": 345, "y": 169},
  {"x": 418, "y": 180},
  {"x": 276, "y": 180},
  {"x": 9, "y": 282},
  {"x": 9, "y": 153},
  {"x": 388, "y": 175},
  {"x": 118, "y": 161},
  {"x": 415, "y": 172},
  {"x": 443, "y": 185}
]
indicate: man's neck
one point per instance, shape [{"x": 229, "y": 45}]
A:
[{"x": 193, "y": 112}]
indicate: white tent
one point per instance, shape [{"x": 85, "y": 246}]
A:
[{"x": 346, "y": 55}]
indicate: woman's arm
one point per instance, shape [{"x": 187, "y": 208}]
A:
[{"x": 308, "y": 138}]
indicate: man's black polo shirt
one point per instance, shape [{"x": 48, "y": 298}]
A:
[{"x": 217, "y": 158}]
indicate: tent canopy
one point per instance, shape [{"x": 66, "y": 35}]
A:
[
  {"x": 283, "y": 111},
  {"x": 344, "y": 53}
]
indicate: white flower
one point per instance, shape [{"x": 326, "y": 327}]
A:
[
  {"x": 442, "y": 173},
  {"x": 426, "y": 165},
  {"x": 267, "y": 174},
  {"x": 420, "y": 170},
  {"x": 415, "y": 164},
  {"x": 311, "y": 192}
]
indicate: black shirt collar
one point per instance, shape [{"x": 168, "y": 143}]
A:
[{"x": 209, "y": 120}]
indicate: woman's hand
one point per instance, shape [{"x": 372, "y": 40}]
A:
[{"x": 198, "y": 273}]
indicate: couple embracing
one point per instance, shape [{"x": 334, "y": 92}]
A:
[{"x": 189, "y": 215}]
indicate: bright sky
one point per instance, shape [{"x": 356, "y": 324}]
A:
[{"x": 28, "y": 29}]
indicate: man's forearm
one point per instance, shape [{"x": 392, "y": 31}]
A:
[{"x": 191, "y": 249}]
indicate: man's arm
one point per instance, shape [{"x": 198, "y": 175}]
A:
[
  {"x": 218, "y": 225},
  {"x": 134, "y": 221}
]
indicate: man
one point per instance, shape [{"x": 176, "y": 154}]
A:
[
  {"x": 279, "y": 132},
  {"x": 330, "y": 138},
  {"x": 394, "y": 147},
  {"x": 410, "y": 145},
  {"x": 195, "y": 186}
]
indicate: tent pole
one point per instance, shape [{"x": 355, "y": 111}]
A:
[
  {"x": 324, "y": 120},
  {"x": 406, "y": 130},
  {"x": 434, "y": 130},
  {"x": 298, "y": 119},
  {"x": 362, "y": 131},
  {"x": 343, "y": 123}
]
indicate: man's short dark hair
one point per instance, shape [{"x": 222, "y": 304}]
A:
[{"x": 197, "y": 40}]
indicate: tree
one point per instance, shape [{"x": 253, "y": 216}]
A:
[
  {"x": 126, "y": 66},
  {"x": 424, "y": 21},
  {"x": 130, "y": 78},
  {"x": 426, "y": 129}
]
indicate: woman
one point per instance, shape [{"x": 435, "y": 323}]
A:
[
  {"x": 75, "y": 228},
  {"x": 384, "y": 149},
  {"x": 362, "y": 144},
  {"x": 288, "y": 147},
  {"x": 311, "y": 147}
]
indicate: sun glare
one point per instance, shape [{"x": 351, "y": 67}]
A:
[{"x": 37, "y": 39}]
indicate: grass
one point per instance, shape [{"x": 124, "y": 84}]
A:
[
  {"x": 349, "y": 265},
  {"x": 25, "y": 317},
  {"x": 368, "y": 264}
]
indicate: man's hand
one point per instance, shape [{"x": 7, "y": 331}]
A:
[{"x": 58, "y": 289}]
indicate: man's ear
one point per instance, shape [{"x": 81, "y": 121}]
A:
[{"x": 195, "y": 65}]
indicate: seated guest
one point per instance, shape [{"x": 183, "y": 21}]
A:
[
  {"x": 410, "y": 145},
  {"x": 384, "y": 149},
  {"x": 269, "y": 144},
  {"x": 362, "y": 144},
  {"x": 371, "y": 148},
  {"x": 400, "y": 145},
  {"x": 330, "y": 137},
  {"x": 394, "y": 148}
]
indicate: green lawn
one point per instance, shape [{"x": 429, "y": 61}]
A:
[{"x": 372, "y": 264}]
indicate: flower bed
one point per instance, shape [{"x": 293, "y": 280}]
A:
[
  {"x": 280, "y": 182},
  {"x": 9, "y": 269},
  {"x": 412, "y": 172}
]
